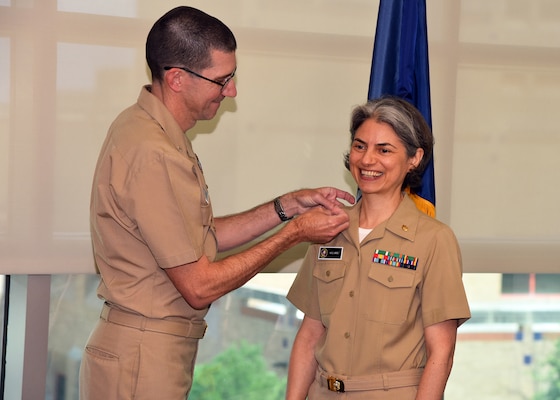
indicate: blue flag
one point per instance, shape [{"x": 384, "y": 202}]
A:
[{"x": 400, "y": 68}]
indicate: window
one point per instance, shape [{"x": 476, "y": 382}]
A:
[
  {"x": 515, "y": 338},
  {"x": 533, "y": 284}
]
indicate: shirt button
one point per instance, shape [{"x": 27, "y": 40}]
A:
[
  {"x": 351, "y": 294},
  {"x": 328, "y": 273},
  {"x": 347, "y": 335},
  {"x": 405, "y": 228},
  {"x": 390, "y": 279}
]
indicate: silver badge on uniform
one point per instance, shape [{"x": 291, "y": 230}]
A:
[
  {"x": 206, "y": 196},
  {"x": 199, "y": 164}
]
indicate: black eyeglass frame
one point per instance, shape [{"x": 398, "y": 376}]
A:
[{"x": 221, "y": 84}]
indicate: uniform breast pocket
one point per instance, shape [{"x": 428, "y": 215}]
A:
[
  {"x": 330, "y": 277},
  {"x": 393, "y": 291}
]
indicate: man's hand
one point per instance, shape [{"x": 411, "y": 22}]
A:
[
  {"x": 301, "y": 201},
  {"x": 319, "y": 225}
]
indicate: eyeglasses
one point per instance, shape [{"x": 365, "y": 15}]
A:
[{"x": 222, "y": 84}]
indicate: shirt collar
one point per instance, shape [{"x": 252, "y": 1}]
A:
[
  {"x": 157, "y": 110},
  {"x": 403, "y": 222}
]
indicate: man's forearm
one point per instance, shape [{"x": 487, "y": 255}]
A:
[
  {"x": 202, "y": 282},
  {"x": 238, "y": 229}
]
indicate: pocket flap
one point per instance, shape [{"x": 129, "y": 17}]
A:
[
  {"x": 328, "y": 271},
  {"x": 391, "y": 277}
]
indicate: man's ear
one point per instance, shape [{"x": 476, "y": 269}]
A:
[{"x": 174, "y": 79}]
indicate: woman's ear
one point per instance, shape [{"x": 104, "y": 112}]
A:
[{"x": 416, "y": 159}]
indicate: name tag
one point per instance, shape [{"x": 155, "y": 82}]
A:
[{"x": 330, "y": 253}]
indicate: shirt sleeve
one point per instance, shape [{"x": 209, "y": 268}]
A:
[
  {"x": 443, "y": 293},
  {"x": 303, "y": 293}
]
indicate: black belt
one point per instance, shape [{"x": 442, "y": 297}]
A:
[{"x": 188, "y": 329}]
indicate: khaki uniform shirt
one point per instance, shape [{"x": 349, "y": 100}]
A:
[
  {"x": 150, "y": 210},
  {"x": 375, "y": 313}
]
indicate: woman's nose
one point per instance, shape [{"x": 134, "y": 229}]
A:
[{"x": 369, "y": 158}]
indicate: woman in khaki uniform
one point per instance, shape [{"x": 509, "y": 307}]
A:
[{"x": 383, "y": 300}]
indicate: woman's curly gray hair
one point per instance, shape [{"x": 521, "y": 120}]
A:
[{"x": 409, "y": 125}]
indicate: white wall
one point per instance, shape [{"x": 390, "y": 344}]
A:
[{"x": 495, "y": 73}]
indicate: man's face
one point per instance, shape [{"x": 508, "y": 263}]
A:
[{"x": 205, "y": 92}]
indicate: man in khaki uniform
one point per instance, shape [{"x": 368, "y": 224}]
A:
[{"x": 154, "y": 235}]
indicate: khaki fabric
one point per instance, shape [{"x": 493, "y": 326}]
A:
[
  {"x": 150, "y": 210},
  {"x": 320, "y": 392},
  {"x": 124, "y": 363},
  {"x": 375, "y": 314}
]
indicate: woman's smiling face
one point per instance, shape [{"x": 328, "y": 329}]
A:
[{"x": 378, "y": 159}]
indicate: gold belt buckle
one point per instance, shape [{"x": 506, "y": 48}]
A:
[{"x": 335, "y": 385}]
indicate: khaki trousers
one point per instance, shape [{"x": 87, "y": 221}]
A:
[{"x": 125, "y": 363}]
